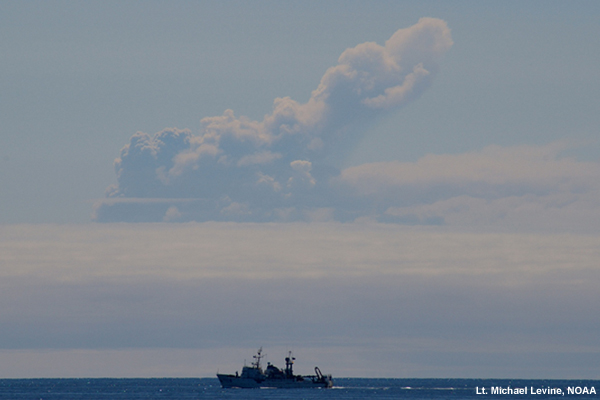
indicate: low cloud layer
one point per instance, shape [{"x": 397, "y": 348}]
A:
[
  {"x": 376, "y": 300},
  {"x": 278, "y": 168}
]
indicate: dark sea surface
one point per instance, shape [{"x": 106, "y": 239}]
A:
[{"x": 344, "y": 388}]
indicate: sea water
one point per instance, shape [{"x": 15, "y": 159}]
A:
[{"x": 344, "y": 388}]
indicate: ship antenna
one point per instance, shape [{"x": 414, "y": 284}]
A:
[
  {"x": 289, "y": 362},
  {"x": 258, "y": 357}
]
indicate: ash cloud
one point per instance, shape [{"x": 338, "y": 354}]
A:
[{"x": 278, "y": 168}]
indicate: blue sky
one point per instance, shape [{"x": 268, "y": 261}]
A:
[{"x": 437, "y": 169}]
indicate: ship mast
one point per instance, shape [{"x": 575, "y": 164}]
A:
[
  {"x": 289, "y": 362},
  {"x": 257, "y": 358}
]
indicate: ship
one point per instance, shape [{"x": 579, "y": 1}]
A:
[{"x": 254, "y": 376}]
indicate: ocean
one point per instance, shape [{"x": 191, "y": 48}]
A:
[{"x": 344, "y": 389}]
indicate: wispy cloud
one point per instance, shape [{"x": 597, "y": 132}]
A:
[{"x": 521, "y": 187}]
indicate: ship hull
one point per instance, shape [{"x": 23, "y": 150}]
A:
[{"x": 232, "y": 381}]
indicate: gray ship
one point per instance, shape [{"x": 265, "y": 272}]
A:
[{"x": 254, "y": 376}]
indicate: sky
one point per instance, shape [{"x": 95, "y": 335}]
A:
[{"x": 395, "y": 189}]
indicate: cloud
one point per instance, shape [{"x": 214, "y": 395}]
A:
[
  {"x": 282, "y": 169},
  {"x": 521, "y": 187},
  {"x": 281, "y": 162},
  {"x": 375, "y": 293},
  {"x": 510, "y": 169},
  {"x": 527, "y": 188}
]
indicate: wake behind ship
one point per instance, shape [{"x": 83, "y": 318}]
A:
[{"x": 272, "y": 377}]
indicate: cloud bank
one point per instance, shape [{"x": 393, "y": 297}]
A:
[
  {"x": 278, "y": 168},
  {"x": 377, "y": 300}
]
